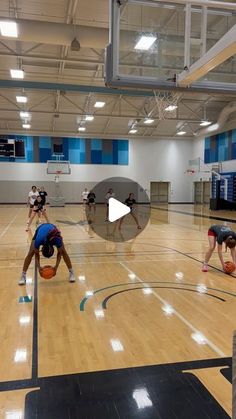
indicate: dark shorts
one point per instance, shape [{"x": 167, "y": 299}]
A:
[
  {"x": 31, "y": 206},
  {"x": 91, "y": 201},
  {"x": 211, "y": 233}
]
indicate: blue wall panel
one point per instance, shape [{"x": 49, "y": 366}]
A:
[
  {"x": 77, "y": 150},
  {"x": 220, "y": 147}
]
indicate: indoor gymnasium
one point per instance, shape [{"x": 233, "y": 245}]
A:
[{"x": 117, "y": 209}]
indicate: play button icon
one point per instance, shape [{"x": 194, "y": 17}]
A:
[{"x": 116, "y": 210}]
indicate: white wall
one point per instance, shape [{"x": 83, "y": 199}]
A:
[{"x": 150, "y": 160}]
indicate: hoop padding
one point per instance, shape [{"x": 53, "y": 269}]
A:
[{"x": 61, "y": 167}]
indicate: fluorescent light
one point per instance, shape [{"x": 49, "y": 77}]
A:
[
  {"x": 199, "y": 338},
  {"x": 116, "y": 345},
  {"x": 26, "y": 126},
  {"x": 89, "y": 118},
  {"x": 24, "y": 114},
  {"x": 133, "y": 131},
  {"x": 17, "y": 74},
  {"x": 21, "y": 99},
  {"x": 148, "y": 121},
  {"x": 81, "y": 129},
  {"x": 20, "y": 355},
  {"x": 171, "y": 108},
  {"x": 205, "y": 123},
  {"x": 99, "y": 104},
  {"x": 8, "y": 29},
  {"x": 142, "y": 398},
  {"x": 147, "y": 291},
  {"x": 181, "y": 132},
  {"x": 145, "y": 42}
]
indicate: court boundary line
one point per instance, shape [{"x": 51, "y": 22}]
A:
[
  {"x": 193, "y": 214},
  {"x": 182, "y": 318},
  {"x": 34, "y": 371}
]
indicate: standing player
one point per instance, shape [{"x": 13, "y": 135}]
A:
[
  {"x": 31, "y": 199},
  {"x": 130, "y": 202},
  {"x": 38, "y": 209},
  {"x": 91, "y": 201},
  {"x": 220, "y": 234},
  {"x": 47, "y": 235},
  {"x": 110, "y": 194},
  {"x": 43, "y": 194},
  {"x": 85, "y": 196}
]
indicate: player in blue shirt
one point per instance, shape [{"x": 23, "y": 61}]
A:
[{"x": 47, "y": 236}]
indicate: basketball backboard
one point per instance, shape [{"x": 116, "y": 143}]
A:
[{"x": 172, "y": 45}]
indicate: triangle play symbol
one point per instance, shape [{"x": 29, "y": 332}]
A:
[{"x": 116, "y": 210}]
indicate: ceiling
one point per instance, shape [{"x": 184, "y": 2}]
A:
[{"x": 63, "y": 85}]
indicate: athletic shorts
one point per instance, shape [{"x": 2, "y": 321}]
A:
[
  {"x": 91, "y": 201},
  {"x": 31, "y": 206},
  {"x": 211, "y": 233}
]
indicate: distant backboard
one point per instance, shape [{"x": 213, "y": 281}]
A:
[{"x": 172, "y": 45}]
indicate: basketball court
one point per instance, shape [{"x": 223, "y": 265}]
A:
[{"x": 135, "y": 99}]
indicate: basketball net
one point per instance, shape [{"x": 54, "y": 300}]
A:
[{"x": 166, "y": 104}]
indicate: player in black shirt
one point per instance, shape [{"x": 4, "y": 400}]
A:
[
  {"x": 38, "y": 208},
  {"x": 130, "y": 202},
  {"x": 43, "y": 195},
  {"x": 91, "y": 201},
  {"x": 220, "y": 234}
]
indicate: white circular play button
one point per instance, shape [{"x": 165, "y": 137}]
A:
[{"x": 118, "y": 209}]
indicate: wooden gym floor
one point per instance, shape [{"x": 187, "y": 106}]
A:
[{"x": 143, "y": 333}]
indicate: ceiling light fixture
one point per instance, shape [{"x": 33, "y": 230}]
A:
[
  {"x": 82, "y": 129},
  {"x": 75, "y": 45},
  {"x": 171, "y": 108},
  {"x": 24, "y": 114},
  {"x": 17, "y": 74},
  {"x": 21, "y": 99},
  {"x": 205, "y": 123},
  {"x": 145, "y": 42},
  {"x": 89, "y": 118},
  {"x": 99, "y": 104},
  {"x": 26, "y": 126},
  {"x": 181, "y": 132},
  {"x": 133, "y": 131},
  {"x": 148, "y": 121},
  {"x": 8, "y": 29}
]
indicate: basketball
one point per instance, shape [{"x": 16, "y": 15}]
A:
[
  {"x": 229, "y": 267},
  {"x": 47, "y": 272}
]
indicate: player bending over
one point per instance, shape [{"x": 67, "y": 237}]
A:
[
  {"x": 47, "y": 235},
  {"x": 220, "y": 234}
]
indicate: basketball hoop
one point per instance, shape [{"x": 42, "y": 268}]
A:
[
  {"x": 166, "y": 104},
  {"x": 190, "y": 172}
]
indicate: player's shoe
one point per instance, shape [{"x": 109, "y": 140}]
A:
[
  {"x": 22, "y": 280},
  {"x": 71, "y": 277},
  {"x": 204, "y": 267}
]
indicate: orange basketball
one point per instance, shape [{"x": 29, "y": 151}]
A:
[
  {"x": 47, "y": 272},
  {"x": 229, "y": 267}
]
